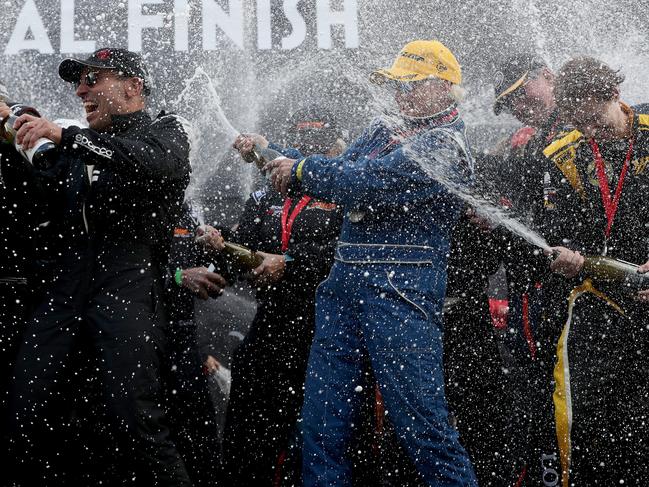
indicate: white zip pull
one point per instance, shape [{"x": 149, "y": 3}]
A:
[{"x": 88, "y": 172}]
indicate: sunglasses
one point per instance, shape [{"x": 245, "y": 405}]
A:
[
  {"x": 405, "y": 87},
  {"x": 90, "y": 79}
]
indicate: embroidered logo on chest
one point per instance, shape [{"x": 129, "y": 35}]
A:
[
  {"x": 591, "y": 173},
  {"x": 640, "y": 165}
]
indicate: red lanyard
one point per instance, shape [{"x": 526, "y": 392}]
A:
[
  {"x": 610, "y": 207},
  {"x": 287, "y": 221}
]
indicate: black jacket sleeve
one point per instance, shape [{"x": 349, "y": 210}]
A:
[
  {"x": 521, "y": 181},
  {"x": 37, "y": 189},
  {"x": 473, "y": 257},
  {"x": 15, "y": 172}
]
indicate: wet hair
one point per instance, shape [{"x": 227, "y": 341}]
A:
[{"x": 585, "y": 78}]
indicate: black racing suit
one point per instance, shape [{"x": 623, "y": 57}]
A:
[
  {"x": 112, "y": 198},
  {"x": 601, "y": 401},
  {"x": 19, "y": 230},
  {"x": 269, "y": 367},
  {"x": 526, "y": 344},
  {"x": 191, "y": 413},
  {"x": 15, "y": 229},
  {"x": 476, "y": 385}
]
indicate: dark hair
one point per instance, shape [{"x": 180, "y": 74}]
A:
[{"x": 585, "y": 78}]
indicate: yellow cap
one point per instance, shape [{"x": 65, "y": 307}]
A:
[{"x": 420, "y": 60}]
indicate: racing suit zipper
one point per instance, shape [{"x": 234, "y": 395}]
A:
[
  {"x": 90, "y": 253},
  {"x": 88, "y": 174}
]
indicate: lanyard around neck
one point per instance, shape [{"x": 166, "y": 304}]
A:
[
  {"x": 287, "y": 221},
  {"x": 610, "y": 205}
]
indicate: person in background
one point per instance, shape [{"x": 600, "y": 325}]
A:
[
  {"x": 192, "y": 415},
  {"x": 296, "y": 238},
  {"x": 524, "y": 88},
  {"x": 480, "y": 408}
]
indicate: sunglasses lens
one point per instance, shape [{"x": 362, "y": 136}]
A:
[
  {"x": 91, "y": 78},
  {"x": 404, "y": 87}
]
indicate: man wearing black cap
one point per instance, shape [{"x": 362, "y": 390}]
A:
[
  {"x": 524, "y": 87},
  {"x": 296, "y": 237},
  {"x": 113, "y": 192}
]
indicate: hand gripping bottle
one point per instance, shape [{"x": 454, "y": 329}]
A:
[{"x": 37, "y": 155}]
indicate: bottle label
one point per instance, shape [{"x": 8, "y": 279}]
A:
[{"x": 35, "y": 153}]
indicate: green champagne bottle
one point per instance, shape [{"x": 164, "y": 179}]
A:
[
  {"x": 609, "y": 270},
  {"x": 242, "y": 256}
]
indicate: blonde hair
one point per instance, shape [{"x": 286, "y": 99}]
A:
[{"x": 457, "y": 93}]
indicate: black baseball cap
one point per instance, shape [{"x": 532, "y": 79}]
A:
[
  {"x": 125, "y": 62},
  {"x": 313, "y": 126},
  {"x": 510, "y": 75}
]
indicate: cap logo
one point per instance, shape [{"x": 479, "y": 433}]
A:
[
  {"x": 409, "y": 55},
  {"x": 103, "y": 55},
  {"x": 310, "y": 125},
  {"x": 499, "y": 79}
]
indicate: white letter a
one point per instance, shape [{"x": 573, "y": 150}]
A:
[{"x": 29, "y": 20}]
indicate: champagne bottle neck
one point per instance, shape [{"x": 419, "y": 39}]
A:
[
  {"x": 242, "y": 256},
  {"x": 263, "y": 155},
  {"x": 9, "y": 129}
]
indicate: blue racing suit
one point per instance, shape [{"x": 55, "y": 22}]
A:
[{"x": 383, "y": 299}]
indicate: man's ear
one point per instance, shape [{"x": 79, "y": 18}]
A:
[
  {"x": 134, "y": 87},
  {"x": 456, "y": 92},
  {"x": 548, "y": 75}
]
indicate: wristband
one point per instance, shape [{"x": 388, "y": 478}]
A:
[
  {"x": 288, "y": 258},
  {"x": 178, "y": 277},
  {"x": 298, "y": 172}
]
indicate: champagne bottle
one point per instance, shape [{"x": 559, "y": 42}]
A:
[
  {"x": 235, "y": 253},
  {"x": 607, "y": 269},
  {"x": 242, "y": 256},
  {"x": 260, "y": 156},
  {"x": 37, "y": 155}
]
